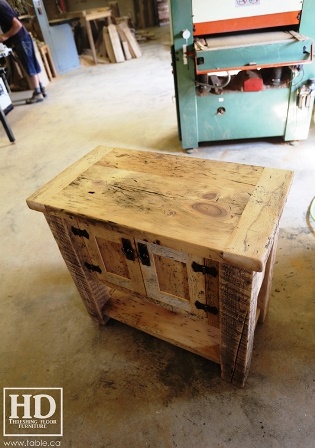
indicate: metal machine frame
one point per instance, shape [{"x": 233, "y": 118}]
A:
[{"x": 243, "y": 77}]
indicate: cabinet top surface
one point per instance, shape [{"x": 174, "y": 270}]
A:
[{"x": 225, "y": 211}]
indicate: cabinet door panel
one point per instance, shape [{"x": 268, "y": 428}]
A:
[
  {"x": 113, "y": 257},
  {"x": 106, "y": 250},
  {"x": 172, "y": 276},
  {"x": 170, "y": 280}
]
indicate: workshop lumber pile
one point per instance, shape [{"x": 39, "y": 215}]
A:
[
  {"x": 144, "y": 35},
  {"x": 120, "y": 43}
]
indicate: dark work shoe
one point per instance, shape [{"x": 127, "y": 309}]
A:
[
  {"x": 43, "y": 91},
  {"x": 36, "y": 98}
]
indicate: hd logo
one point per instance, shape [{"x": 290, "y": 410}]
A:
[{"x": 32, "y": 411}]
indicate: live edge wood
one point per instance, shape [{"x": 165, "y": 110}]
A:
[{"x": 185, "y": 212}]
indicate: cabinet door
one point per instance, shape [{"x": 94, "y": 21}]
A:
[
  {"x": 170, "y": 279},
  {"x": 114, "y": 258}
]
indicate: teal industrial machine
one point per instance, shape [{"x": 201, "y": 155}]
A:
[{"x": 243, "y": 69}]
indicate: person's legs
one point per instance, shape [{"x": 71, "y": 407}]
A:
[
  {"x": 37, "y": 85},
  {"x": 35, "y": 81},
  {"x": 26, "y": 53}
]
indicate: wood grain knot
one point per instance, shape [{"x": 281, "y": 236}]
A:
[
  {"x": 213, "y": 210},
  {"x": 210, "y": 196}
]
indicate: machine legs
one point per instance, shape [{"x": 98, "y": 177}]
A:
[{"x": 6, "y": 126}]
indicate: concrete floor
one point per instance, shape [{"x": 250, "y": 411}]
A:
[{"x": 123, "y": 388}]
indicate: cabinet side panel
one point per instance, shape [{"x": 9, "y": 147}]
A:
[
  {"x": 264, "y": 293},
  {"x": 93, "y": 293},
  {"x": 238, "y": 295}
]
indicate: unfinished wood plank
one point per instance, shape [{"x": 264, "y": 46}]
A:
[
  {"x": 130, "y": 197},
  {"x": 48, "y": 62},
  {"x": 259, "y": 220},
  {"x": 36, "y": 200},
  {"x": 132, "y": 42},
  {"x": 108, "y": 45},
  {"x": 126, "y": 50},
  {"x": 195, "y": 336},
  {"x": 93, "y": 13},
  {"x": 230, "y": 204},
  {"x": 124, "y": 43},
  {"x": 116, "y": 44},
  {"x": 124, "y": 38}
]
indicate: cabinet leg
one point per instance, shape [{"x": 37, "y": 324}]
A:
[
  {"x": 93, "y": 293},
  {"x": 238, "y": 297},
  {"x": 264, "y": 293}
]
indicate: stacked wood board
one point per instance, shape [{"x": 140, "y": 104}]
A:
[{"x": 120, "y": 43}]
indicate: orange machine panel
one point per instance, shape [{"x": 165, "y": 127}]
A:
[{"x": 247, "y": 23}]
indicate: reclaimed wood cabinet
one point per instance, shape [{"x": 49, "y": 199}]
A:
[{"x": 179, "y": 247}]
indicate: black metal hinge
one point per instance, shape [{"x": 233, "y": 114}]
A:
[
  {"x": 79, "y": 232},
  {"x": 144, "y": 254},
  {"x": 204, "y": 269},
  {"x": 128, "y": 249},
  {"x": 207, "y": 308},
  {"x": 93, "y": 267}
]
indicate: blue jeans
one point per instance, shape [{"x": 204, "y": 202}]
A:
[{"x": 26, "y": 53}]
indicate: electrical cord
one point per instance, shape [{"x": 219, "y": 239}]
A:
[{"x": 298, "y": 78}]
